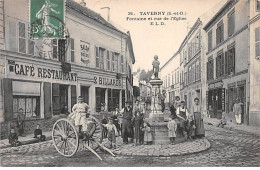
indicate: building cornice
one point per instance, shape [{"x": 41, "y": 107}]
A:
[{"x": 254, "y": 19}]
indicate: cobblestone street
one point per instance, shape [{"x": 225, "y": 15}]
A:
[{"x": 228, "y": 148}]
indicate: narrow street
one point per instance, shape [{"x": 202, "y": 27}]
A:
[{"x": 228, "y": 148}]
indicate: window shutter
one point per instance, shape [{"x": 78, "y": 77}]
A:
[
  {"x": 97, "y": 57},
  {"x": 226, "y": 63},
  {"x": 207, "y": 99},
  {"x": 8, "y": 99},
  {"x": 257, "y": 34},
  {"x": 21, "y": 33},
  {"x": 56, "y": 98},
  {"x": 73, "y": 95},
  {"x": 47, "y": 99},
  {"x": 31, "y": 47},
  {"x": 61, "y": 48},
  {"x": 72, "y": 58},
  {"x": 12, "y": 36}
]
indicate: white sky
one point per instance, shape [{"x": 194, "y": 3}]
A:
[{"x": 149, "y": 40}]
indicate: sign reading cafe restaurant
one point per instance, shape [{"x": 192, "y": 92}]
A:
[{"x": 30, "y": 70}]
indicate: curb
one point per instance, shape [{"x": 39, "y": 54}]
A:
[{"x": 206, "y": 147}]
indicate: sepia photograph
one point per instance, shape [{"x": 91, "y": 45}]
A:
[{"x": 129, "y": 83}]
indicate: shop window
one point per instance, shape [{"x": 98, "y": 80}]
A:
[
  {"x": 108, "y": 61},
  {"x": 257, "y": 42},
  {"x": 59, "y": 98},
  {"x": 100, "y": 98},
  {"x": 231, "y": 23},
  {"x": 209, "y": 40},
  {"x": 22, "y": 41},
  {"x": 220, "y": 32},
  {"x": 29, "y": 105},
  {"x": 72, "y": 52}
]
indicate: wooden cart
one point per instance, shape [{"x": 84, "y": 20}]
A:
[{"x": 66, "y": 138}]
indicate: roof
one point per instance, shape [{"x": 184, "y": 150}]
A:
[
  {"x": 131, "y": 50},
  {"x": 169, "y": 60},
  {"x": 219, "y": 13},
  {"x": 91, "y": 14}
]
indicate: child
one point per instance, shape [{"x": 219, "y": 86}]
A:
[
  {"x": 147, "y": 134},
  {"x": 13, "y": 138},
  {"x": 111, "y": 133},
  {"x": 172, "y": 127},
  {"x": 138, "y": 121},
  {"x": 190, "y": 126},
  {"x": 38, "y": 133},
  {"x": 223, "y": 122}
]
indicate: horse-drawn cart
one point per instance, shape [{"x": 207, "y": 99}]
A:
[{"x": 66, "y": 139}]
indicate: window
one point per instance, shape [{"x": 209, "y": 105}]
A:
[
  {"x": 55, "y": 48},
  {"x": 101, "y": 58},
  {"x": 122, "y": 64},
  {"x": 210, "y": 69},
  {"x": 185, "y": 78},
  {"x": 189, "y": 75},
  {"x": 257, "y": 42},
  {"x": 257, "y": 5},
  {"x": 172, "y": 78},
  {"x": 220, "y": 33},
  {"x": 169, "y": 80},
  {"x": 30, "y": 105},
  {"x": 72, "y": 53},
  {"x": 230, "y": 61},
  {"x": 178, "y": 77},
  {"x": 197, "y": 70},
  {"x": 231, "y": 23},
  {"x": 189, "y": 52},
  {"x": 62, "y": 49},
  {"x": 115, "y": 62},
  {"x": 97, "y": 57},
  {"x": 22, "y": 42},
  {"x": 210, "y": 40},
  {"x": 108, "y": 61},
  {"x": 220, "y": 65}
]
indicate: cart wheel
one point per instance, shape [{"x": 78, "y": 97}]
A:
[{"x": 65, "y": 137}]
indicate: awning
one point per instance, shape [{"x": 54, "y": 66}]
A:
[{"x": 26, "y": 88}]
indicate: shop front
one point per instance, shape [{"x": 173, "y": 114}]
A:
[{"x": 215, "y": 98}]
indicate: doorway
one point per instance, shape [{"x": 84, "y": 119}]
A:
[{"x": 85, "y": 94}]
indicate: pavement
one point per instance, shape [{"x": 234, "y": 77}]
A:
[{"x": 28, "y": 139}]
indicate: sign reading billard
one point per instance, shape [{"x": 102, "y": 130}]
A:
[
  {"x": 107, "y": 81},
  {"x": 29, "y": 70}
]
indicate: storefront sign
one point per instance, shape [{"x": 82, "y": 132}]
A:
[
  {"x": 29, "y": 70},
  {"x": 84, "y": 52},
  {"x": 241, "y": 83},
  {"x": 107, "y": 81},
  {"x": 216, "y": 85}
]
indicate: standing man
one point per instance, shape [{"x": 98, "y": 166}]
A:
[
  {"x": 20, "y": 122},
  {"x": 127, "y": 128},
  {"x": 162, "y": 97},
  {"x": 173, "y": 111},
  {"x": 81, "y": 111},
  {"x": 237, "y": 109},
  {"x": 148, "y": 101}
]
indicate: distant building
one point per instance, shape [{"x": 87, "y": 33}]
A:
[{"x": 170, "y": 75}]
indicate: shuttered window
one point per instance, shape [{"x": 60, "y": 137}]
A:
[
  {"x": 122, "y": 64},
  {"x": 257, "y": 5},
  {"x": 54, "y": 49},
  {"x": 220, "y": 65},
  {"x": 22, "y": 42},
  {"x": 257, "y": 42},
  {"x": 210, "y": 69},
  {"x": 101, "y": 58},
  {"x": 97, "y": 57},
  {"x": 220, "y": 33},
  {"x": 231, "y": 61},
  {"x": 72, "y": 52},
  {"x": 231, "y": 23},
  {"x": 30, "y": 47},
  {"x": 108, "y": 61}
]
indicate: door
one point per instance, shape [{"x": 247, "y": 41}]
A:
[{"x": 85, "y": 94}]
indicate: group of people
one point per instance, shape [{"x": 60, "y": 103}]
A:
[{"x": 190, "y": 122}]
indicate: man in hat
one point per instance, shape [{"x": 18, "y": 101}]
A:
[
  {"x": 182, "y": 115},
  {"x": 127, "y": 128}
]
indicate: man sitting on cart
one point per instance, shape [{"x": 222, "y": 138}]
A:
[{"x": 80, "y": 114}]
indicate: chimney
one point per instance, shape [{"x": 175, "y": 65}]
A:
[
  {"x": 108, "y": 13},
  {"x": 83, "y": 3}
]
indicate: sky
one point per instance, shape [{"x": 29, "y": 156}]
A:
[{"x": 149, "y": 40}]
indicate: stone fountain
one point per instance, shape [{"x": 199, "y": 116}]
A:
[{"x": 157, "y": 119}]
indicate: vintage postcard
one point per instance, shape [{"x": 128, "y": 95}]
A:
[{"x": 129, "y": 83}]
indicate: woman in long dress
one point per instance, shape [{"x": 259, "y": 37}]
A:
[{"x": 198, "y": 119}]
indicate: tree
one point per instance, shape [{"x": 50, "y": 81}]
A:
[{"x": 146, "y": 76}]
